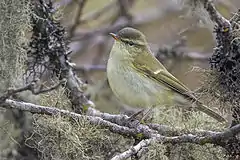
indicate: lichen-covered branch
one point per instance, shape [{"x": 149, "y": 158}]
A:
[
  {"x": 136, "y": 130},
  {"x": 133, "y": 150},
  {"x": 214, "y": 138},
  {"x": 37, "y": 109},
  {"x": 215, "y": 15}
]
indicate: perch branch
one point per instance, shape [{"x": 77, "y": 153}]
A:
[
  {"x": 37, "y": 109},
  {"x": 130, "y": 130}
]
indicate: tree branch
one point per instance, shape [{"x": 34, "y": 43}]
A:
[
  {"x": 29, "y": 107},
  {"x": 214, "y": 138},
  {"x": 133, "y": 150},
  {"x": 131, "y": 129}
]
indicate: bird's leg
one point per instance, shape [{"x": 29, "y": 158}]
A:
[
  {"x": 146, "y": 115},
  {"x": 133, "y": 116},
  {"x": 143, "y": 117}
]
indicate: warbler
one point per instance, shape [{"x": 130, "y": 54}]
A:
[{"x": 138, "y": 79}]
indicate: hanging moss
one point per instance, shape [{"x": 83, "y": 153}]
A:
[{"x": 14, "y": 24}]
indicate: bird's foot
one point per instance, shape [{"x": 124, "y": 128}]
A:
[
  {"x": 141, "y": 116},
  {"x": 135, "y": 115}
]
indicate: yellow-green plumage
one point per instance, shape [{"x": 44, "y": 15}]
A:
[{"x": 138, "y": 79}]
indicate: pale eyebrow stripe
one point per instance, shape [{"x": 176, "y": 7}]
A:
[{"x": 127, "y": 41}]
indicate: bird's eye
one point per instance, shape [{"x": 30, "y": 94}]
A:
[{"x": 130, "y": 43}]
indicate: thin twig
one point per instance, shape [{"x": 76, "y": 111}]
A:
[
  {"x": 96, "y": 14},
  {"x": 89, "y": 68},
  {"x": 123, "y": 9},
  {"x": 34, "y": 87},
  {"x": 51, "y": 87},
  {"x": 139, "y": 19},
  {"x": 77, "y": 20},
  {"x": 11, "y": 92}
]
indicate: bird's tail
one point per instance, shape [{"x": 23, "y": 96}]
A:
[{"x": 210, "y": 112}]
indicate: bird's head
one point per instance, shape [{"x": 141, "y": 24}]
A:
[{"x": 130, "y": 42}]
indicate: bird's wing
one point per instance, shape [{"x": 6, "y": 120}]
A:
[
  {"x": 161, "y": 75},
  {"x": 157, "y": 72}
]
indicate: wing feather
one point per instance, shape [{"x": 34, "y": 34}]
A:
[{"x": 161, "y": 75}]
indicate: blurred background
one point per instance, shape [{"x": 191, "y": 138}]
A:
[{"x": 180, "y": 36}]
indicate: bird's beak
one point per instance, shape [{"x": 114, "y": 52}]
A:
[{"x": 114, "y": 36}]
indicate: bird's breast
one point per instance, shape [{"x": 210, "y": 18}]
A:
[{"x": 133, "y": 88}]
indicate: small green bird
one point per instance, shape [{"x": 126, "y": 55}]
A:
[{"x": 138, "y": 79}]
